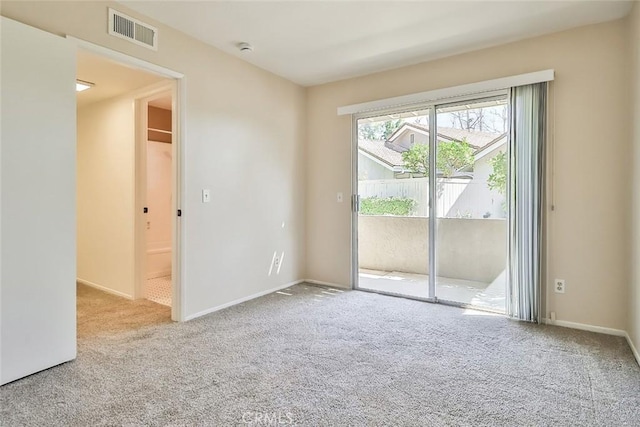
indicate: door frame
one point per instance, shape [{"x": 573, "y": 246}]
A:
[
  {"x": 140, "y": 240},
  {"x": 432, "y": 107},
  {"x": 178, "y": 89},
  {"x": 355, "y": 198}
]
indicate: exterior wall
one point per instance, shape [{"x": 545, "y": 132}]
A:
[
  {"x": 634, "y": 294},
  {"x": 469, "y": 249},
  {"x": 587, "y": 235},
  {"x": 404, "y": 140},
  {"x": 478, "y": 200},
  {"x": 229, "y": 243},
  {"x": 370, "y": 169}
]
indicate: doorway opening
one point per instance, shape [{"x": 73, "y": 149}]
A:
[
  {"x": 157, "y": 160},
  {"x": 127, "y": 193},
  {"x": 454, "y": 249}
]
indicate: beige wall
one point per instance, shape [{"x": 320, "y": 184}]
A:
[
  {"x": 634, "y": 293},
  {"x": 245, "y": 134},
  {"x": 105, "y": 194},
  {"x": 588, "y": 231}
]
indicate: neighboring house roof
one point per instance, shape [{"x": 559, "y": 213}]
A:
[
  {"x": 490, "y": 147},
  {"x": 476, "y": 139},
  {"x": 410, "y": 126},
  {"x": 377, "y": 150},
  {"x": 390, "y": 154}
]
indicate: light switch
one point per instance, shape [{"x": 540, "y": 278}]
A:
[
  {"x": 339, "y": 197},
  {"x": 206, "y": 196}
]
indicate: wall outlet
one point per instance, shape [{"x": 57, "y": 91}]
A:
[
  {"x": 276, "y": 262},
  {"x": 558, "y": 286}
]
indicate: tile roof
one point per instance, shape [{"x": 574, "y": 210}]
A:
[
  {"x": 475, "y": 139},
  {"x": 387, "y": 153},
  {"x": 379, "y": 151}
]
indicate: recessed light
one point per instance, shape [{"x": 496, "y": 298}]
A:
[{"x": 82, "y": 85}]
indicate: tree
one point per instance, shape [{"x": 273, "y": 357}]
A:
[
  {"x": 486, "y": 119},
  {"x": 369, "y": 131},
  {"x": 390, "y": 127},
  {"x": 468, "y": 119},
  {"x": 453, "y": 156},
  {"x": 498, "y": 178},
  {"x": 416, "y": 159},
  {"x": 378, "y": 131}
]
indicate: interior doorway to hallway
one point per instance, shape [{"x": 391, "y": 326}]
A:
[{"x": 128, "y": 174}]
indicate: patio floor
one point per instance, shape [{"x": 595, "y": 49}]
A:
[{"x": 478, "y": 294}]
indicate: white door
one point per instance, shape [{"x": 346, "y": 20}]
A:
[{"x": 37, "y": 210}]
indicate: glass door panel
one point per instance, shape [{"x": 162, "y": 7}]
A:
[
  {"x": 471, "y": 211},
  {"x": 393, "y": 191}
]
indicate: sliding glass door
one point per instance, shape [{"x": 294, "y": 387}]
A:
[
  {"x": 453, "y": 250},
  {"x": 393, "y": 216},
  {"x": 471, "y": 210}
]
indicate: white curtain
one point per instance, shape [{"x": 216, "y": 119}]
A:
[{"x": 526, "y": 193}]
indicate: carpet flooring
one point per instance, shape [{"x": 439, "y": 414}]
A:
[
  {"x": 319, "y": 357},
  {"x": 103, "y": 314}
]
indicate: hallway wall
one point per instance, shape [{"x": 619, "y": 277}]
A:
[{"x": 105, "y": 194}]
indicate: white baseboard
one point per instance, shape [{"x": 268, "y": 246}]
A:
[
  {"x": 104, "y": 289},
  {"x": 155, "y": 274},
  {"x": 241, "y": 300},
  {"x": 634, "y": 350},
  {"x": 331, "y": 285},
  {"x": 585, "y": 327}
]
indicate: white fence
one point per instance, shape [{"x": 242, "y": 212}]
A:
[{"x": 456, "y": 197}]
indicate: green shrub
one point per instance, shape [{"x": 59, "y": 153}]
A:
[{"x": 388, "y": 206}]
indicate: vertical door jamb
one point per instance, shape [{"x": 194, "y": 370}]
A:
[
  {"x": 355, "y": 202},
  {"x": 433, "y": 135},
  {"x": 140, "y": 187}
]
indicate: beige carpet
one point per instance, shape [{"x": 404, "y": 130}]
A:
[
  {"x": 100, "y": 313},
  {"x": 317, "y": 357}
]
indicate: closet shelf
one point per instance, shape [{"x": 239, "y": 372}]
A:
[{"x": 160, "y": 130}]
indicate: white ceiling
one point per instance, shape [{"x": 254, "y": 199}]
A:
[
  {"x": 110, "y": 78},
  {"x": 313, "y": 42}
]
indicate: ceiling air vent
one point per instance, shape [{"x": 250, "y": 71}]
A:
[{"x": 126, "y": 27}]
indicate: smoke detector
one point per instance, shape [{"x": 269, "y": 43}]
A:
[{"x": 245, "y": 47}]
